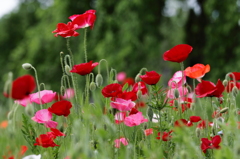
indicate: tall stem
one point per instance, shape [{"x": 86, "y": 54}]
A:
[
  {"x": 85, "y": 44},
  {"x": 38, "y": 86}
]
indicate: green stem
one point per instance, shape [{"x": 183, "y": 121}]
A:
[
  {"x": 99, "y": 66},
  {"x": 85, "y": 44},
  {"x": 38, "y": 86}
]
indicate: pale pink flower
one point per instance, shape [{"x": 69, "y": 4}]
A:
[
  {"x": 46, "y": 96},
  {"x": 181, "y": 90},
  {"x": 119, "y": 117},
  {"x": 23, "y": 102},
  {"x": 44, "y": 116},
  {"x": 121, "y": 76},
  {"x": 135, "y": 119},
  {"x": 119, "y": 141},
  {"x": 69, "y": 93},
  {"x": 122, "y": 104},
  {"x": 177, "y": 80}
]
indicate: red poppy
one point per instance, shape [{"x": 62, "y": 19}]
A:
[
  {"x": 84, "y": 20},
  {"x": 210, "y": 144},
  {"x": 140, "y": 86},
  {"x": 185, "y": 103},
  {"x": 203, "y": 124},
  {"x": 133, "y": 111},
  {"x": 235, "y": 75},
  {"x": 178, "y": 53},
  {"x": 130, "y": 81},
  {"x": 45, "y": 140},
  {"x": 55, "y": 133},
  {"x": 22, "y": 87},
  {"x": 209, "y": 89},
  {"x": 65, "y": 30},
  {"x": 165, "y": 136},
  {"x": 112, "y": 90},
  {"x": 128, "y": 95},
  {"x": 151, "y": 77},
  {"x": 197, "y": 71},
  {"x": 84, "y": 68},
  {"x": 184, "y": 122},
  {"x": 61, "y": 108}
]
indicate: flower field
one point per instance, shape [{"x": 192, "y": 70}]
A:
[{"x": 115, "y": 116}]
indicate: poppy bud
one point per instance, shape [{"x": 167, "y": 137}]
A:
[
  {"x": 176, "y": 104},
  {"x": 137, "y": 78},
  {"x": 29, "y": 110},
  {"x": 92, "y": 86},
  {"x": 99, "y": 80},
  {"x": 27, "y": 66},
  {"x": 224, "y": 110},
  {"x": 176, "y": 93},
  {"x": 139, "y": 94},
  {"x": 235, "y": 91},
  {"x": 198, "y": 132},
  {"x": 10, "y": 115},
  {"x": 67, "y": 70},
  {"x": 225, "y": 83},
  {"x": 150, "y": 113}
]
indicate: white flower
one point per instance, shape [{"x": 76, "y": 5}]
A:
[{"x": 32, "y": 157}]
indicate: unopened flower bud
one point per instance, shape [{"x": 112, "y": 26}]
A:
[
  {"x": 92, "y": 86},
  {"x": 224, "y": 110},
  {"x": 176, "y": 93},
  {"x": 225, "y": 83},
  {"x": 67, "y": 70},
  {"x": 235, "y": 91},
  {"x": 99, "y": 80},
  {"x": 139, "y": 94},
  {"x": 29, "y": 110},
  {"x": 27, "y": 66},
  {"x": 137, "y": 78},
  {"x": 10, "y": 115}
]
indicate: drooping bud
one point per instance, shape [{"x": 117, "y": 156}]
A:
[
  {"x": 137, "y": 78},
  {"x": 99, "y": 80},
  {"x": 67, "y": 70},
  {"x": 92, "y": 86},
  {"x": 225, "y": 83},
  {"x": 10, "y": 115},
  {"x": 139, "y": 94},
  {"x": 150, "y": 113},
  {"x": 29, "y": 110},
  {"x": 235, "y": 91},
  {"x": 27, "y": 66}
]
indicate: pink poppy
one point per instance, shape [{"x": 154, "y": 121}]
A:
[
  {"x": 140, "y": 86},
  {"x": 46, "y": 96},
  {"x": 135, "y": 119},
  {"x": 177, "y": 80},
  {"x": 119, "y": 117},
  {"x": 148, "y": 132},
  {"x": 122, "y": 104},
  {"x": 181, "y": 90},
  {"x": 44, "y": 116},
  {"x": 119, "y": 141}
]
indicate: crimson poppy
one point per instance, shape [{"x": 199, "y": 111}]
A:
[
  {"x": 84, "y": 20},
  {"x": 65, "y": 30},
  {"x": 128, "y": 95},
  {"x": 61, "y": 108},
  {"x": 84, "y": 68},
  {"x": 178, "y": 53},
  {"x": 210, "y": 144},
  {"x": 112, "y": 90},
  {"x": 209, "y": 89},
  {"x": 151, "y": 77},
  {"x": 22, "y": 87},
  {"x": 140, "y": 86},
  {"x": 45, "y": 140},
  {"x": 165, "y": 136}
]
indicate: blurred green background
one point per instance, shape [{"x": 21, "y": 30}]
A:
[{"x": 129, "y": 34}]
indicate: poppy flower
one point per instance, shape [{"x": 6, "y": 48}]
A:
[
  {"x": 84, "y": 20},
  {"x": 210, "y": 144},
  {"x": 112, "y": 90},
  {"x": 209, "y": 89},
  {"x": 177, "y": 80},
  {"x": 148, "y": 132},
  {"x": 185, "y": 103},
  {"x": 140, "y": 86},
  {"x": 55, "y": 133},
  {"x": 165, "y": 136},
  {"x": 66, "y": 30},
  {"x": 151, "y": 77},
  {"x": 181, "y": 90},
  {"x": 178, "y": 53},
  {"x": 119, "y": 141},
  {"x": 203, "y": 124},
  {"x": 45, "y": 140},
  {"x": 119, "y": 117},
  {"x": 135, "y": 119},
  {"x": 46, "y": 96},
  {"x": 197, "y": 71},
  {"x": 61, "y": 108},
  {"x": 121, "y": 76},
  {"x": 122, "y": 104},
  {"x": 44, "y": 116},
  {"x": 22, "y": 87},
  {"x": 128, "y": 95},
  {"x": 84, "y": 68}
]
